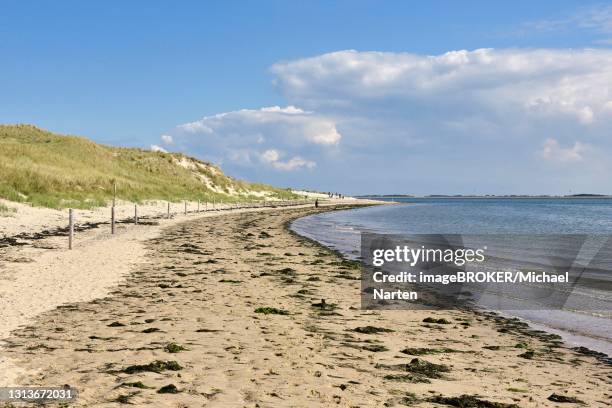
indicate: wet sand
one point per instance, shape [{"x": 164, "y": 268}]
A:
[{"x": 228, "y": 310}]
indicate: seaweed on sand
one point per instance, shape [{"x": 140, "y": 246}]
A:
[
  {"x": 137, "y": 384},
  {"x": 168, "y": 389},
  {"x": 156, "y": 366},
  {"x": 564, "y": 398},
  {"x": 372, "y": 330},
  {"x": 421, "y": 351},
  {"x": 174, "y": 348},
  {"x": 419, "y": 367},
  {"x": 151, "y": 330},
  {"x": 469, "y": 401},
  {"x": 346, "y": 264},
  {"x": 409, "y": 378},
  {"x": 528, "y": 354},
  {"x": 125, "y": 399},
  {"x": 271, "y": 310},
  {"x": 323, "y": 305},
  {"x": 434, "y": 320},
  {"x": 374, "y": 348}
]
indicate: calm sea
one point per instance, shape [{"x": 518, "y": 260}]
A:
[{"x": 341, "y": 230}]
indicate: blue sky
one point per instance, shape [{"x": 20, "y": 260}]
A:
[{"x": 127, "y": 73}]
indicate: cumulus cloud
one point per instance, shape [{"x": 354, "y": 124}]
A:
[
  {"x": 542, "y": 83},
  {"x": 167, "y": 139},
  {"x": 157, "y": 148},
  {"x": 351, "y": 116},
  {"x": 241, "y": 137},
  {"x": 464, "y": 110},
  {"x": 297, "y": 124},
  {"x": 553, "y": 151},
  {"x": 272, "y": 158}
]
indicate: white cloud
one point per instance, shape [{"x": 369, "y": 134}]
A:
[
  {"x": 167, "y": 139},
  {"x": 543, "y": 83},
  {"x": 420, "y": 118},
  {"x": 295, "y": 163},
  {"x": 157, "y": 148},
  {"x": 553, "y": 151},
  {"x": 240, "y": 136},
  {"x": 297, "y": 124},
  {"x": 272, "y": 157},
  {"x": 196, "y": 127}
]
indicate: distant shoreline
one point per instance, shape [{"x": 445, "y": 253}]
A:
[{"x": 494, "y": 197}]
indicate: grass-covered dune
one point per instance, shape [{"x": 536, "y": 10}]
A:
[{"x": 58, "y": 171}]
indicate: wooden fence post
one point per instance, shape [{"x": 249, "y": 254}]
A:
[
  {"x": 185, "y": 207},
  {"x": 168, "y": 212},
  {"x": 70, "y": 227},
  {"x": 198, "y": 205},
  {"x": 113, "y": 219},
  {"x": 135, "y": 213}
]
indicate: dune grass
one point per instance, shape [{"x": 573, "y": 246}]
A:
[{"x": 57, "y": 171}]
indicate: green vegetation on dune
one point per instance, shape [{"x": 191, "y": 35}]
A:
[{"x": 57, "y": 171}]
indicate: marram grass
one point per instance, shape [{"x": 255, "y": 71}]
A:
[{"x": 57, "y": 171}]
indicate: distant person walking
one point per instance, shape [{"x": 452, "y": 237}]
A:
[{"x": 316, "y": 203}]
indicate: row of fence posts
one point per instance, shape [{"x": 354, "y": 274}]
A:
[{"x": 236, "y": 206}]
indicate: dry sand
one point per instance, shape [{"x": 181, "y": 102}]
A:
[
  {"x": 25, "y": 219},
  {"x": 198, "y": 285}
]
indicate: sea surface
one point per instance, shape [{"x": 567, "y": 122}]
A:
[{"x": 340, "y": 230}]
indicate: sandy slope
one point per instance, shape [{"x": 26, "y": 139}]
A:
[{"x": 199, "y": 286}]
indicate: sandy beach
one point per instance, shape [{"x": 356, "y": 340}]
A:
[
  {"x": 232, "y": 309},
  {"x": 306, "y": 204}
]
